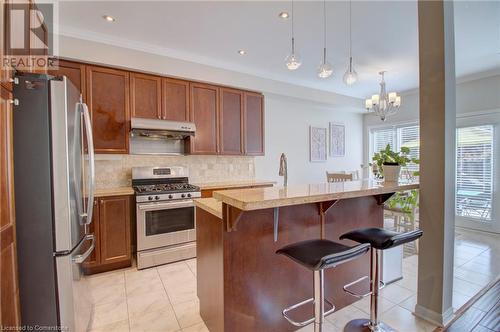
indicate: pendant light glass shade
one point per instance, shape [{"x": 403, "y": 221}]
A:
[
  {"x": 325, "y": 69},
  {"x": 350, "y": 76},
  {"x": 293, "y": 60}
]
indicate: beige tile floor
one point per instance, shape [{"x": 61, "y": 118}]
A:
[{"x": 164, "y": 298}]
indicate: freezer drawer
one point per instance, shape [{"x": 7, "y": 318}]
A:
[{"x": 75, "y": 304}]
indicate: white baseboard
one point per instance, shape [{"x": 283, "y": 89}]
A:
[{"x": 434, "y": 317}]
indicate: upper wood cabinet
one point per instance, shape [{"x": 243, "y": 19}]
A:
[
  {"x": 231, "y": 122},
  {"x": 108, "y": 102},
  {"x": 145, "y": 93},
  {"x": 204, "y": 113},
  {"x": 254, "y": 124},
  {"x": 175, "y": 99},
  {"x": 74, "y": 71}
]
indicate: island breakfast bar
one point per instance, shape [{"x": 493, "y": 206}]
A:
[{"x": 242, "y": 284}]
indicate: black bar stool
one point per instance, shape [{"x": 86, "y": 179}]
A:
[
  {"x": 318, "y": 255},
  {"x": 379, "y": 239}
]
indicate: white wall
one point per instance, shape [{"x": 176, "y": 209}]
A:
[
  {"x": 289, "y": 109},
  {"x": 287, "y": 130}
]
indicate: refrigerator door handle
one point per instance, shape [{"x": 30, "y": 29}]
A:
[
  {"x": 87, "y": 216},
  {"x": 81, "y": 258}
]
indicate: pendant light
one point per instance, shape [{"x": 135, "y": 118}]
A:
[
  {"x": 325, "y": 69},
  {"x": 293, "y": 60},
  {"x": 350, "y": 76}
]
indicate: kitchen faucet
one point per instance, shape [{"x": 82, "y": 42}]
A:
[{"x": 283, "y": 169}]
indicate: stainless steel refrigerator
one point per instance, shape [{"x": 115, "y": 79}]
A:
[{"x": 53, "y": 181}]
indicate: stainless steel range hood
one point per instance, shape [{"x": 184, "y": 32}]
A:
[
  {"x": 163, "y": 137},
  {"x": 161, "y": 129}
]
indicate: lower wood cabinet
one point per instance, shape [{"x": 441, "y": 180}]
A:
[{"x": 111, "y": 225}]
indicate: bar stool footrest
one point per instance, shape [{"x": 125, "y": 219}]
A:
[
  {"x": 360, "y": 296},
  {"x": 309, "y": 321}
]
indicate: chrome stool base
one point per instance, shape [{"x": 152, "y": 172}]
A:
[{"x": 363, "y": 325}]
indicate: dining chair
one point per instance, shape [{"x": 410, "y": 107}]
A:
[{"x": 338, "y": 177}]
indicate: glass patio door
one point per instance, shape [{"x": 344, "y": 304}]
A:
[{"x": 477, "y": 174}]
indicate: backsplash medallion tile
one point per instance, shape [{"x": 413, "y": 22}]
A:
[{"x": 116, "y": 170}]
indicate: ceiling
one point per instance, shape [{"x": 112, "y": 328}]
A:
[{"x": 210, "y": 32}]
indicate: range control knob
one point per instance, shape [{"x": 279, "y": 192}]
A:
[
  {"x": 183, "y": 195},
  {"x": 157, "y": 197},
  {"x": 150, "y": 198},
  {"x": 189, "y": 195},
  {"x": 170, "y": 196}
]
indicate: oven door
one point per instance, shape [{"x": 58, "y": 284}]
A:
[{"x": 163, "y": 224}]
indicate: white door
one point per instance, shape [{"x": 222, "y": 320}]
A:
[{"x": 477, "y": 203}]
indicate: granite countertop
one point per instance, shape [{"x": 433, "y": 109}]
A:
[
  {"x": 271, "y": 197},
  {"x": 120, "y": 191},
  {"x": 233, "y": 184},
  {"x": 210, "y": 205}
]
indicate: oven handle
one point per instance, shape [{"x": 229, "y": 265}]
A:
[{"x": 164, "y": 205}]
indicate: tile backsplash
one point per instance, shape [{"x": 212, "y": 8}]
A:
[{"x": 116, "y": 170}]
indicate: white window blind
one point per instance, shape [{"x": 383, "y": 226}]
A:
[
  {"x": 398, "y": 137},
  {"x": 381, "y": 138},
  {"x": 474, "y": 174}
]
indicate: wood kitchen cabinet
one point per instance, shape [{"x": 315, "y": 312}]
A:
[
  {"x": 111, "y": 223},
  {"x": 74, "y": 71},
  {"x": 254, "y": 124},
  {"x": 6, "y": 74},
  {"x": 204, "y": 113},
  {"x": 10, "y": 310},
  {"x": 175, "y": 99},
  {"x": 145, "y": 96},
  {"x": 108, "y": 102},
  {"x": 231, "y": 122}
]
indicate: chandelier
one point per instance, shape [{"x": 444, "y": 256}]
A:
[{"x": 383, "y": 104}]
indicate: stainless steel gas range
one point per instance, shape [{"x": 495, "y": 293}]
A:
[{"x": 165, "y": 215}]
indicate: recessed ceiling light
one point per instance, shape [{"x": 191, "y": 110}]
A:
[
  {"x": 242, "y": 52},
  {"x": 109, "y": 18},
  {"x": 284, "y": 15}
]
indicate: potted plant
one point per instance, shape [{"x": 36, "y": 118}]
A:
[{"x": 389, "y": 162}]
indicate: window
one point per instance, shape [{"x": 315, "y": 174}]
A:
[
  {"x": 398, "y": 137},
  {"x": 474, "y": 178}
]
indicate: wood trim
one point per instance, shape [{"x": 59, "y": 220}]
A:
[
  {"x": 10, "y": 308},
  {"x": 159, "y": 98}
]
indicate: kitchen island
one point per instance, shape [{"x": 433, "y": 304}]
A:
[{"x": 242, "y": 284}]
